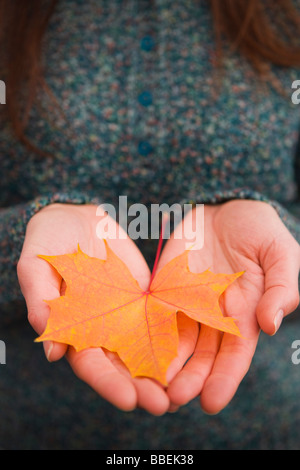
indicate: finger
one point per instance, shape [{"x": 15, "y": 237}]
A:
[
  {"x": 173, "y": 408},
  {"x": 231, "y": 365},
  {"x": 151, "y": 396},
  {"x": 40, "y": 282},
  {"x": 188, "y": 332},
  {"x": 280, "y": 263},
  {"x": 189, "y": 382},
  {"x": 93, "y": 367}
]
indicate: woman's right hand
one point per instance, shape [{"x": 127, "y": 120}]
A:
[{"x": 57, "y": 229}]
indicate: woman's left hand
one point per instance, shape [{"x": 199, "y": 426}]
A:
[{"x": 239, "y": 235}]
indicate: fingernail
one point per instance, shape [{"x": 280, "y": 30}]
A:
[
  {"x": 48, "y": 346},
  {"x": 277, "y": 320},
  {"x": 173, "y": 408}
]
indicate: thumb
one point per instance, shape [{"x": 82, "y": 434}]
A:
[
  {"x": 38, "y": 283},
  {"x": 280, "y": 263}
]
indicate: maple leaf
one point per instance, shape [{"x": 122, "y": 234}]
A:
[{"x": 104, "y": 306}]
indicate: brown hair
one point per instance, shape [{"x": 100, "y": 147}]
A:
[
  {"x": 264, "y": 31},
  {"x": 22, "y": 27}
]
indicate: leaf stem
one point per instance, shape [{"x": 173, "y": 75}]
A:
[{"x": 159, "y": 247}]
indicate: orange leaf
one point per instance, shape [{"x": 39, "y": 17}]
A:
[{"x": 104, "y": 306}]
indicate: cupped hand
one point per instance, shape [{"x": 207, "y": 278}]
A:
[
  {"x": 239, "y": 236},
  {"x": 57, "y": 229}
]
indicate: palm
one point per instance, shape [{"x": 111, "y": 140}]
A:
[
  {"x": 227, "y": 249},
  {"x": 236, "y": 238}
]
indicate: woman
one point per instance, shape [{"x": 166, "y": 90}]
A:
[{"x": 190, "y": 100}]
